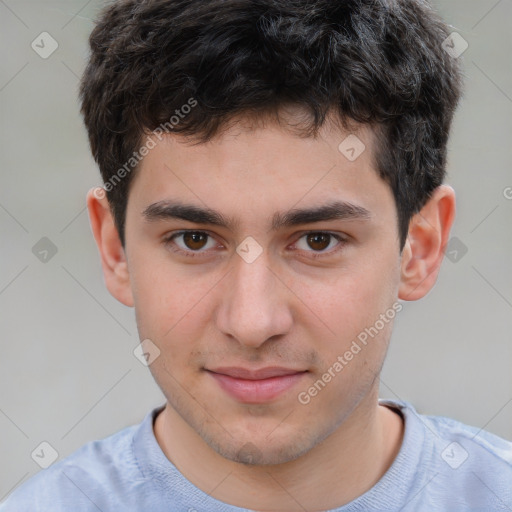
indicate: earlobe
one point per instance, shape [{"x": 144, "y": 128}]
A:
[
  {"x": 423, "y": 253},
  {"x": 113, "y": 258}
]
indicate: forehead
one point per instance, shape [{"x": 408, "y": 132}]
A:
[{"x": 264, "y": 170}]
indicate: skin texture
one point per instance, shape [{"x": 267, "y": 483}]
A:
[{"x": 285, "y": 308}]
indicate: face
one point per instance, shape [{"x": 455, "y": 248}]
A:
[{"x": 259, "y": 311}]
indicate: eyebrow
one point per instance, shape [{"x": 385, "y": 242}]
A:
[{"x": 335, "y": 210}]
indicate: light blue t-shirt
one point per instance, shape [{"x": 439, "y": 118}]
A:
[{"x": 442, "y": 465}]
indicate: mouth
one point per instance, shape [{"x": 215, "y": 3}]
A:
[{"x": 256, "y": 386}]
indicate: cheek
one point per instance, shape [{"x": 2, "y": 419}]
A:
[
  {"x": 173, "y": 317},
  {"x": 170, "y": 302},
  {"x": 358, "y": 309},
  {"x": 347, "y": 303}
]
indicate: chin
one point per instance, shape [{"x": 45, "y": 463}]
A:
[{"x": 263, "y": 451}]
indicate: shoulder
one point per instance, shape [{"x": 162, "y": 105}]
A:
[
  {"x": 461, "y": 464},
  {"x": 460, "y": 444},
  {"x": 85, "y": 480}
]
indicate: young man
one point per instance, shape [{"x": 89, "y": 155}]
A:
[{"x": 273, "y": 189}]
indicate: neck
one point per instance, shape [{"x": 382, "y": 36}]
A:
[{"x": 336, "y": 471}]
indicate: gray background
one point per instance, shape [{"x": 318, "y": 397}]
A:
[{"x": 68, "y": 374}]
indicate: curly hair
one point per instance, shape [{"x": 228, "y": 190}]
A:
[{"x": 377, "y": 62}]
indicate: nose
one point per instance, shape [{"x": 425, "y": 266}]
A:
[{"x": 254, "y": 303}]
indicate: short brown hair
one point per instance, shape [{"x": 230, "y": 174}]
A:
[{"x": 372, "y": 61}]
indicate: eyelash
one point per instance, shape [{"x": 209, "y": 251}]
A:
[{"x": 169, "y": 240}]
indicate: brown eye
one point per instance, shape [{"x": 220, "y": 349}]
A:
[
  {"x": 190, "y": 243},
  {"x": 319, "y": 241},
  {"x": 195, "y": 240}
]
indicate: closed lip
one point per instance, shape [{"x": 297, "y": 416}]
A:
[{"x": 262, "y": 373}]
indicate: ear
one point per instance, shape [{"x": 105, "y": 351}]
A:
[
  {"x": 113, "y": 258},
  {"x": 423, "y": 253}
]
